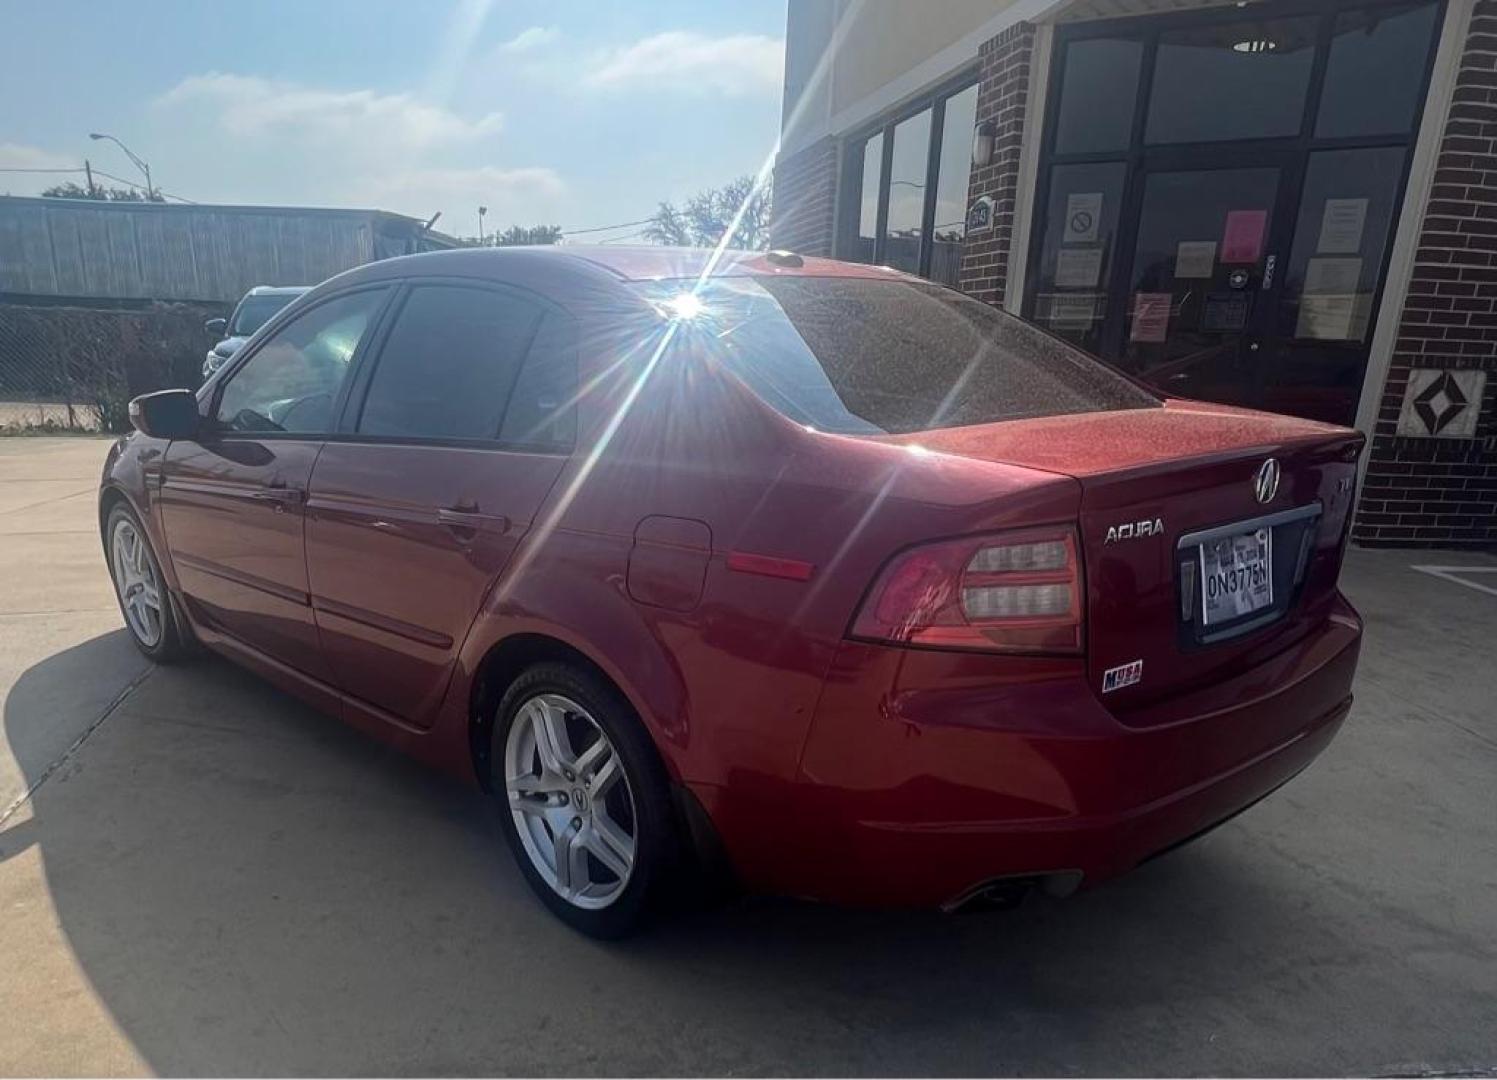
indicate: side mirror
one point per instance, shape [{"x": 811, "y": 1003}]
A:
[
  {"x": 166, "y": 414},
  {"x": 217, "y": 327}
]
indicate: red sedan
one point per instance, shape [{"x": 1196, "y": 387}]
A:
[{"x": 818, "y": 573}]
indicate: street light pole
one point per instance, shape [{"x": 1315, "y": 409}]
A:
[{"x": 139, "y": 164}]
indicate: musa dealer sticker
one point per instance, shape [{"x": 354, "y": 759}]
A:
[{"x": 1121, "y": 676}]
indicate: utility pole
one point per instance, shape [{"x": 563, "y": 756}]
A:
[
  {"x": 88, "y": 170},
  {"x": 482, "y": 210},
  {"x": 139, "y": 164}
]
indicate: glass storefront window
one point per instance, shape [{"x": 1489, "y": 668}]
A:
[
  {"x": 1240, "y": 80},
  {"x": 873, "y": 179},
  {"x": 1097, "y": 95},
  {"x": 953, "y": 171},
  {"x": 907, "y": 175},
  {"x": 1376, "y": 71},
  {"x": 921, "y": 197},
  {"x": 1080, "y": 231},
  {"x": 1256, "y": 196}
]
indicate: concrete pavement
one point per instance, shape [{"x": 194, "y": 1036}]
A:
[{"x": 198, "y": 875}]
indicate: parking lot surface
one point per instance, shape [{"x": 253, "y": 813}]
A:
[{"x": 198, "y": 875}]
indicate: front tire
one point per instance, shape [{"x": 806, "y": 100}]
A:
[
  {"x": 584, "y": 802},
  {"x": 140, "y": 588}
]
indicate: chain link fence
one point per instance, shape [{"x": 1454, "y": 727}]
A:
[{"x": 76, "y": 368}]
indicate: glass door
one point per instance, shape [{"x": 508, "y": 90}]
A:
[
  {"x": 1202, "y": 274},
  {"x": 1218, "y": 194}
]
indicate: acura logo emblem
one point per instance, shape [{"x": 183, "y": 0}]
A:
[{"x": 1266, "y": 483}]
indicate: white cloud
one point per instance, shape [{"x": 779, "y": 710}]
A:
[
  {"x": 738, "y": 64},
  {"x": 530, "y": 38},
  {"x": 526, "y": 195},
  {"x": 18, "y": 156},
  {"x": 249, "y": 106}
]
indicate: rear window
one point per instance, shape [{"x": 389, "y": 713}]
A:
[{"x": 868, "y": 357}]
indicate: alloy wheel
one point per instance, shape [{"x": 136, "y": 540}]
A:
[
  {"x": 136, "y": 582},
  {"x": 571, "y": 801}
]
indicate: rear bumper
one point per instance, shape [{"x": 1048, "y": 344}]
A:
[{"x": 927, "y": 775}]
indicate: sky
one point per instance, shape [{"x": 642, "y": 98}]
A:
[{"x": 570, "y": 113}]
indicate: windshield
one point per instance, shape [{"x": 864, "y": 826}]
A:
[
  {"x": 254, "y": 311},
  {"x": 859, "y": 356}
]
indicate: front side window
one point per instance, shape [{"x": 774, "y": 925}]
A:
[
  {"x": 292, "y": 382},
  {"x": 449, "y": 364},
  {"x": 867, "y": 357}
]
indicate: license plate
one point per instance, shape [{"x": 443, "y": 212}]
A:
[{"x": 1236, "y": 576}]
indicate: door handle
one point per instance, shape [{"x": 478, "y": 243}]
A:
[
  {"x": 280, "y": 494},
  {"x": 465, "y": 517}
]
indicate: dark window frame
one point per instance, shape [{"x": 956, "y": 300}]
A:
[
  {"x": 1141, "y": 157},
  {"x": 346, "y": 428},
  {"x": 850, "y": 173},
  {"x": 269, "y": 331}
]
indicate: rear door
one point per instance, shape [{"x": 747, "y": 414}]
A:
[
  {"x": 453, "y": 437},
  {"x": 232, "y": 501}
]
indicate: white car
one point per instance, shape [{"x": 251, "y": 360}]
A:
[{"x": 252, "y": 312}]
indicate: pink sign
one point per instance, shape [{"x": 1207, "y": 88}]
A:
[
  {"x": 1151, "y": 316},
  {"x": 1242, "y": 239}
]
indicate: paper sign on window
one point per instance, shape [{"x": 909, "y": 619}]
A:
[
  {"x": 1333, "y": 275},
  {"x": 1341, "y": 226},
  {"x": 1330, "y": 317},
  {"x": 1076, "y": 311},
  {"x": 1078, "y": 268},
  {"x": 1195, "y": 258},
  {"x": 1151, "y": 316},
  {"x": 1083, "y": 217},
  {"x": 1242, "y": 239}
]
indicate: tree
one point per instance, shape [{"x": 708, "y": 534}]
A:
[
  {"x": 517, "y": 235},
  {"x": 707, "y": 216},
  {"x": 70, "y": 190}
]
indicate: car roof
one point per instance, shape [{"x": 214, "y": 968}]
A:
[
  {"x": 278, "y": 290},
  {"x": 603, "y": 264},
  {"x": 653, "y": 263}
]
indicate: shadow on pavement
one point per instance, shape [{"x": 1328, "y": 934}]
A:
[{"x": 251, "y": 888}]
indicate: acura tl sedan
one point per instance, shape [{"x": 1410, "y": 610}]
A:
[{"x": 812, "y": 574}]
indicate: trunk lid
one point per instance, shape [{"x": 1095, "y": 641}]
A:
[{"x": 1156, "y": 483}]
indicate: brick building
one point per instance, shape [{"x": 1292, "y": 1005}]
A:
[{"x": 1287, "y": 205}]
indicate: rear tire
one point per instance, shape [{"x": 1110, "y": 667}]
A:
[
  {"x": 583, "y": 800},
  {"x": 145, "y": 601}
]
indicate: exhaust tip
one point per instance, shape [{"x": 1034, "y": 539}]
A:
[{"x": 1007, "y": 893}]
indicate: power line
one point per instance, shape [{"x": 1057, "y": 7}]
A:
[
  {"x": 107, "y": 176},
  {"x": 607, "y": 228},
  {"x": 142, "y": 187},
  {"x": 621, "y": 239}
]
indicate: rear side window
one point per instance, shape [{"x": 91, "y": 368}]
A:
[
  {"x": 543, "y": 407},
  {"x": 861, "y": 356},
  {"x": 448, "y": 366}
]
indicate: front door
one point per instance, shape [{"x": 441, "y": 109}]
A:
[
  {"x": 232, "y": 502},
  {"x": 1219, "y": 191},
  {"x": 453, "y": 437},
  {"x": 1201, "y": 276}
]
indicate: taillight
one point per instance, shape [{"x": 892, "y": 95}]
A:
[{"x": 1010, "y": 592}]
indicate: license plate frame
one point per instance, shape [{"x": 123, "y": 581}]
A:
[{"x": 1236, "y": 575}]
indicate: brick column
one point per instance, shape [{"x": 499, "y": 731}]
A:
[
  {"x": 805, "y": 191},
  {"x": 1002, "y": 93},
  {"x": 1423, "y": 490}
]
